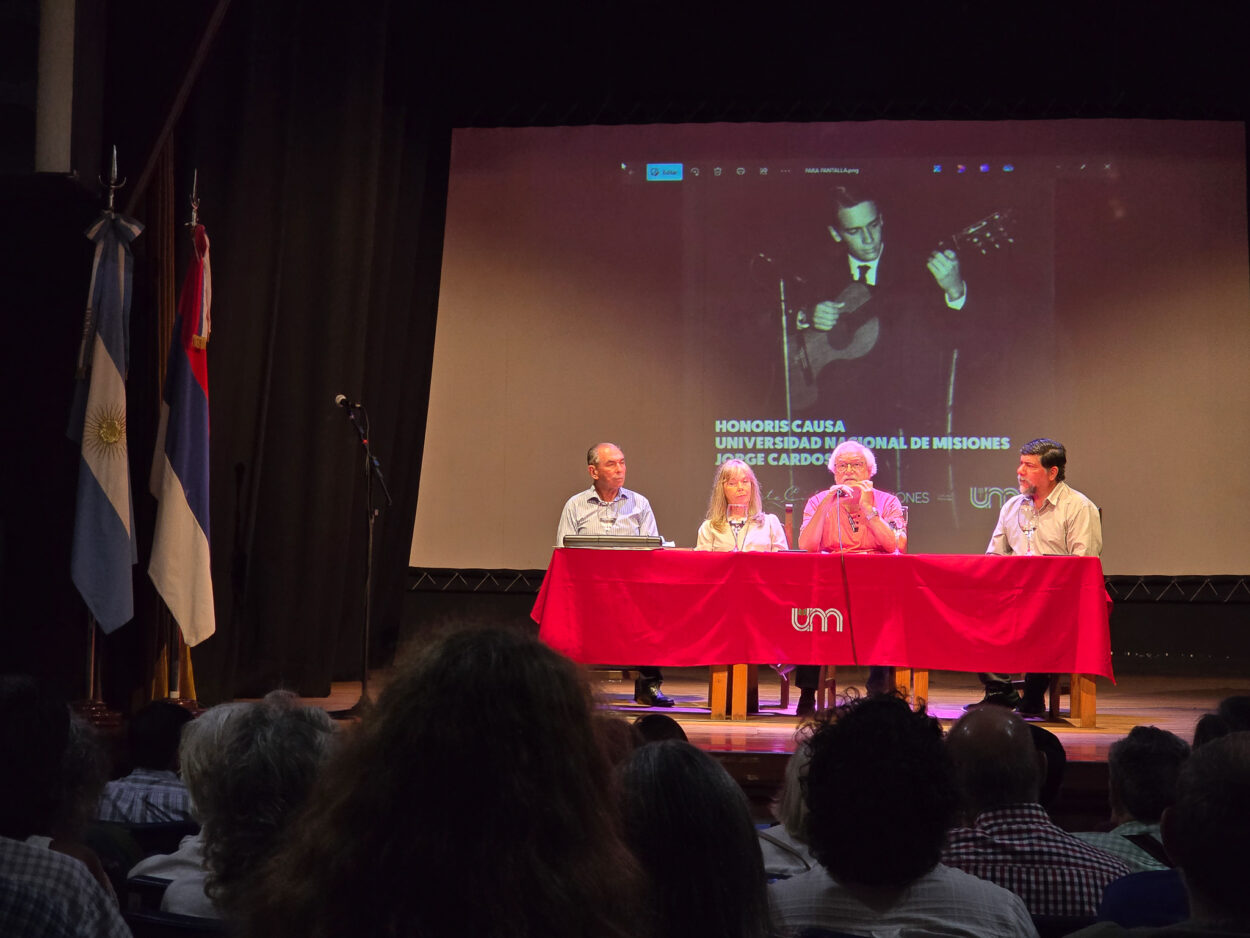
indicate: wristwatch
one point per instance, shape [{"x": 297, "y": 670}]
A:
[{"x": 872, "y": 513}]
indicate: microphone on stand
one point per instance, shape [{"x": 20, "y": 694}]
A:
[{"x": 342, "y": 401}]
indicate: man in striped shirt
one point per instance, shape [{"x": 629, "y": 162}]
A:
[{"x": 153, "y": 792}]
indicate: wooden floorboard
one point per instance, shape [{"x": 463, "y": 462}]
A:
[
  {"x": 754, "y": 751},
  {"x": 1170, "y": 702}
]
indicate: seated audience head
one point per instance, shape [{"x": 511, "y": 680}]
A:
[
  {"x": 1210, "y": 726},
  {"x": 437, "y": 791},
  {"x": 1049, "y": 745},
  {"x": 34, "y": 734},
  {"x": 1143, "y": 768},
  {"x": 996, "y": 761},
  {"x": 84, "y": 770},
  {"x": 734, "y": 483},
  {"x": 617, "y": 737},
  {"x": 880, "y": 792},
  {"x": 1206, "y": 829},
  {"x": 249, "y": 767},
  {"x": 1231, "y": 716},
  {"x": 153, "y": 735},
  {"x": 791, "y": 807},
  {"x": 690, "y": 825},
  {"x": 1235, "y": 711},
  {"x": 654, "y": 727}
]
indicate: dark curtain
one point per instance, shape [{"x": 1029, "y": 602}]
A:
[{"x": 322, "y": 174}]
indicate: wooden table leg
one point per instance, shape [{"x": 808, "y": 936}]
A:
[
  {"x": 1083, "y": 706},
  {"x": 919, "y": 687},
  {"x": 741, "y": 688},
  {"x": 717, "y": 698},
  {"x": 912, "y": 683}
]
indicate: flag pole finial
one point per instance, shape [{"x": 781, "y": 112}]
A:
[
  {"x": 114, "y": 183},
  {"x": 195, "y": 199}
]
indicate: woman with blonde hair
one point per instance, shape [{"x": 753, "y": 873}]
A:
[{"x": 736, "y": 519}]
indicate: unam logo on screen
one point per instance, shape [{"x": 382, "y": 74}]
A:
[{"x": 664, "y": 172}]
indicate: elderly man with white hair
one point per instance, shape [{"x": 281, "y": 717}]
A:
[{"x": 849, "y": 516}]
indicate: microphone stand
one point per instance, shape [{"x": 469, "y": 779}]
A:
[{"x": 372, "y": 468}]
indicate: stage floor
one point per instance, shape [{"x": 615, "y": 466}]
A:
[{"x": 1172, "y": 703}]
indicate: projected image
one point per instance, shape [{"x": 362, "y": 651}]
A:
[{"x": 883, "y": 301}]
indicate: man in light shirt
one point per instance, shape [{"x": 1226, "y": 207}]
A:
[
  {"x": 607, "y": 507},
  {"x": 1048, "y": 517}
]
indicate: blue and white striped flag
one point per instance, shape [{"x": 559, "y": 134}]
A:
[{"x": 104, "y": 541}]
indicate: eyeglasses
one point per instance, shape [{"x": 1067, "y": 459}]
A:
[{"x": 850, "y": 464}]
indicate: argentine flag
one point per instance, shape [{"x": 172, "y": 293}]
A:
[{"x": 104, "y": 541}]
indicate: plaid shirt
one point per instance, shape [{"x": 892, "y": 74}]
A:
[
  {"x": 145, "y": 796},
  {"x": 1020, "y": 848},
  {"x": 46, "y": 893},
  {"x": 1116, "y": 842}
]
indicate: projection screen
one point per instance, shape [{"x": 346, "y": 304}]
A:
[{"x": 656, "y": 286}]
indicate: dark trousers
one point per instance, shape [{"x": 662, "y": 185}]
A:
[{"x": 807, "y": 676}]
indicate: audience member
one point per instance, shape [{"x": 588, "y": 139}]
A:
[
  {"x": 1143, "y": 768},
  {"x": 248, "y": 767},
  {"x": 654, "y": 727},
  {"x": 1204, "y": 832},
  {"x": 1048, "y": 744},
  {"x": 84, "y": 768},
  {"x": 1011, "y": 840},
  {"x": 445, "y": 819},
  {"x": 690, "y": 825},
  {"x": 1231, "y": 716},
  {"x": 617, "y": 737},
  {"x": 43, "y": 891},
  {"x": 784, "y": 845},
  {"x": 877, "y": 832},
  {"x": 152, "y": 793}
]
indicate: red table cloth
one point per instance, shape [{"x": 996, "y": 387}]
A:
[{"x": 923, "y": 611}]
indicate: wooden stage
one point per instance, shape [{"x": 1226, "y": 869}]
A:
[
  {"x": 755, "y": 751},
  {"x": 1172, "y": 703}
]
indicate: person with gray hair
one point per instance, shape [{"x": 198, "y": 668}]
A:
[
  {"x": 1143, "y": 768},
  {"x": 608, "y": 508},
  {"x": 784, "y": 845},
  {"x": 851, "y": 516},
  {"x": 248, "y": 768},
  {"x": 1009, "y": 839},
  {"x": 449, "y": 821}
]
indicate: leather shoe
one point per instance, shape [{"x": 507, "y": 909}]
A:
[
  {"x": 1031, "y": 711},
  {"x": 1009, "y": 699},
  {"x": 807, "y": 702},
  {"x": 648, "y": 694}
]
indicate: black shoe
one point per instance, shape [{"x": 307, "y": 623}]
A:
[
  {"x": 648, "y": 694},
  {"x": 1029, "y": 710},
  {"x": 1009, "y": 699},
  {"x": 807, "y": 702}
]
